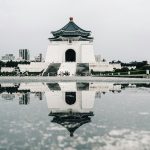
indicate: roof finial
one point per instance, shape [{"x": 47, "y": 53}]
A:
[{"x": 71, "y": 18}]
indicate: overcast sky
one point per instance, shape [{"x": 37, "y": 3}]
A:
[{"x": 121, "y": 28}]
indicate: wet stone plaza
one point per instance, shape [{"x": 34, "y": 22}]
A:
[{"x": 74, "y": 116}]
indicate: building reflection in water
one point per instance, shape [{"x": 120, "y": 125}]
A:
[
  {"x": 71, "y": 120},
  {"x": 8, "y": 96},
  {"x": 24, "y": 99},
  {"x": 69, "y": 103},
  {"x": 69, "y": 106},
  {"x": 39, "y": 95}
]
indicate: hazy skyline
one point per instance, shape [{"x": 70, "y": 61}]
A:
[{"x": 121, "y": 28}]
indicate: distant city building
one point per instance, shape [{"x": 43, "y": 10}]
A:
[
  {"x": 39, "y": 95},
  {"x": 24, "y": 54},
  {"x": 98, "y": 94},
  {"x": 8, "y": 57},
  {"x": 8, "y": 96},
  {"x": 98, "y": 58},
  {"x": 24, "y": 99},
  {"x": 39, "y": 58}
]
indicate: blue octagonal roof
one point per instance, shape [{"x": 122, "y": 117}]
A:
[{"x": 71, "y": 30}]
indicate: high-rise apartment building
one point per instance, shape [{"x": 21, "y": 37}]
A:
[
  {"x": 8, "y": 57},
  {"x": 24, "y": 54},
  {"x": 39, "y": 58}
]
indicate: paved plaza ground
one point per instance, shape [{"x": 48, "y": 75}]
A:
[{"x": 72, "y": 79}]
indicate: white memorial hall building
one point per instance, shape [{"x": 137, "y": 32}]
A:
[{"x": 70, "y": 51}]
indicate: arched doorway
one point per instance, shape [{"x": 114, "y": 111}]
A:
[
  {"x": 70, "y": 98},
  {"x": 70, "y": 55}
]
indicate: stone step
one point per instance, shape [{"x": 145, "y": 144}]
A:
[{"x": 69, "y": 67}]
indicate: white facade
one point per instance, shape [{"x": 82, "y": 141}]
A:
[
  {"x": 7, "y": 69},
  {"x": 104, "y": 87},
  {"x": 103, "y": 66},
  {"x": 56, "y": 100},
  {"x": 32, "y": 67},
  {"x": 34, "y": 87},
  {"x": 83, "y": 49}
]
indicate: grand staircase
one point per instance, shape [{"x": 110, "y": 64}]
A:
[
  {"x": 69, "y": 67},
  {"x": 51, "y": 70}
]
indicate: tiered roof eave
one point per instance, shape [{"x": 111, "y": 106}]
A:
[{"x": 71, "y": 30}]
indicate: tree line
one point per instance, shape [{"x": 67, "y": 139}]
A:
[{"x": 12, "y": 63}]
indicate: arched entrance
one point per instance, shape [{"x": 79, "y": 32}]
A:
[
  {"x": 70, "y": 98},
  {"x": 70, "y": 55}
]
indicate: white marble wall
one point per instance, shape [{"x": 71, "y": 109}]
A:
[{"x": 56, "y": 51}]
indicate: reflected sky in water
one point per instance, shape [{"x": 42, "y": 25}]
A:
[{"x": 70, "y": 115}]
